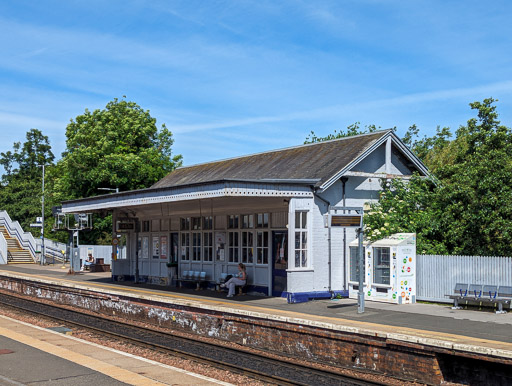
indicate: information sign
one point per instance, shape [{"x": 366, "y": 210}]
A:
[{"x": 347, "y": 220}]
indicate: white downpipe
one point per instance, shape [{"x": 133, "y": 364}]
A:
[
  {"x": 25, "y": 239},
  {"x": 3, "y": 249}
]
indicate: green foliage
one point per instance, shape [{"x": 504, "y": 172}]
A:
[
  {"x": 428, "y": 149},
  {"x": 476, "y": 189},
  {"x": 351, "y": 130},
  {"x": 407, "y": 206},
  {"x": 21, "y": 184},
  {"x": 117, "y": 147}
]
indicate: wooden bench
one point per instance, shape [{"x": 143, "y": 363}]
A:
[
  {"x": 477, "y": 294},
  {"x": 242, "y": 289},
  {"x": 99, "y": 266}
]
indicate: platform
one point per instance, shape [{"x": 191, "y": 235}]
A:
[
  {"x": 35, "y": 355},
  {"x": 426, "y": 325}
]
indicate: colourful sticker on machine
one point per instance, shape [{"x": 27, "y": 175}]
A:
[
  {"x": 394, "y": 296},
  {"x": 369, "y": 293}
]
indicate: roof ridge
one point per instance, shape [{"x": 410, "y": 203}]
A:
[{"x": 285, "y": 148}]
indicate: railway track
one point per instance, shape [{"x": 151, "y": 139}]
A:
[{"x": 256, "y": 366}]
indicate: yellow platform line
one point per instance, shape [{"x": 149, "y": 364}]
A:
[
  {"x": 112, "y": 371},
  {"x": 377, "y": 327}
]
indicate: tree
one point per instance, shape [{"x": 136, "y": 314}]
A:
[
  {"x": 21, "y": 184},
  {"x": 476, "y": 186},
  {"x": 117, "y": 147}
]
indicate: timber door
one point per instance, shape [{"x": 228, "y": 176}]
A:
[{"x": 279, "y": 262}]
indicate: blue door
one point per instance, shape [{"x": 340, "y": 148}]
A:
[{"x": 279, "y": 262}]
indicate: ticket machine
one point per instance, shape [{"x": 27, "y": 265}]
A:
[{"x": 390, "y": 269}]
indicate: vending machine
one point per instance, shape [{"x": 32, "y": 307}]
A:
[{"x": 390, "y": 269}]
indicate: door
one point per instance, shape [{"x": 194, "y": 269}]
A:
[
  {"x": 279, "y": 262},
  {"x": 174, "y": 248}
]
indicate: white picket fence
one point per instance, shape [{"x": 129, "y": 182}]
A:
[{"x": 438, "y": 274}]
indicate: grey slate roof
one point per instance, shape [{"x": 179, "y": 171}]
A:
[{"x": 318, "y": 161}]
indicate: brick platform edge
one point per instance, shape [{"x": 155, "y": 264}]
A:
[{"x": 357, "y": 349}]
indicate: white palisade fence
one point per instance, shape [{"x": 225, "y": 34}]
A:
[{"x": 438, "y": 274}]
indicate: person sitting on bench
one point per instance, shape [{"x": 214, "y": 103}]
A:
[
  {"x": 88, "y": 262},
  {"x": 238, "y": 279}
]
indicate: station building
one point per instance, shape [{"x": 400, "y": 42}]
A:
[{"x": 265, "y": 210}]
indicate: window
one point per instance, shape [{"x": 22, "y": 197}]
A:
[
  {"x": 145, "y": 226},
  {"x": 196, "y": 223},
  {"x": 185, "y": 246},
  {"x": 185, "y": 224},
  {"x": 262, "y": 221},
  {"x": 208, "y": 222},
  {"x": 208, "y": 246},
  {"x": 145, "y": 247},
  {"x": 381, "y": 265},
  {"x": 233, "y": 221},
  {"x": 247, "y": 247},
  {"x": 354, "y": 264},
  {"x": 301, "y": 240},
  {"x": 247, "y": 221},
  {"x": 262, "y": 247},
  {"x": 196, "y": 246},
  {"x": 233, "y": 244}
]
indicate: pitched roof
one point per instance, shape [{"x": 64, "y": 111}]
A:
[{"x": 318, "y": 161}]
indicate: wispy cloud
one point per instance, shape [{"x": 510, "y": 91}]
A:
[{"x": 402, "y": 100}]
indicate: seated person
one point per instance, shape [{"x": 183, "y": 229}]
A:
[
  {"x": 89, "y": 261},
  {"x": 238, "y": 279}
]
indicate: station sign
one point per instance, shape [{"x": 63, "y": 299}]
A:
[
  {"x": 346, "y": 220},
  {"x": 36, "y": 225},
  {"x": 125, "y": 226}
]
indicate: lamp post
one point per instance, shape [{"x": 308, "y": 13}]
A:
[{"x": 42, "y": 226}]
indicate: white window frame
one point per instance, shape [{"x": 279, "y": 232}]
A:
[
  {"x": 183, "y": 237},
  {"x": 262, "y": 248},
  {"x": 207, "y": 246},
  {"x": 302, "y": 232},
  {"x": 248, "y": 250},
  {"x": 234, "y": 251},
  {"x": 196, "y": 246}
]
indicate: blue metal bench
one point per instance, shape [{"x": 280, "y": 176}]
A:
[
  {"x": 460, "y": 292},
  {"x": 477, "y": 294},
  {"x": 504, "y": 297}
]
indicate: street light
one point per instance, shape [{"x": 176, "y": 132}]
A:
[{"x": 42, "y": 226}]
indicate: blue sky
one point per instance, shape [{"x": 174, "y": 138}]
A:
[{"x": 235, "y": 77}]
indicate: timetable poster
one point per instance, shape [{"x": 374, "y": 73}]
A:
[
  {"x": 163, "y": 247},
  {"x": 156, "y": 247}
]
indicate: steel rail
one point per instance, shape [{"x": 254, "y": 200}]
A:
[{"x": 276, "y": 371}]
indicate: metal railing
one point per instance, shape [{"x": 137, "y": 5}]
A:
[
  {"x": 14, "y": 229},
  {"x": 3, "y": 250}
]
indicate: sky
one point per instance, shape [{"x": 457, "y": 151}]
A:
[{"x": 237, "y": 77}]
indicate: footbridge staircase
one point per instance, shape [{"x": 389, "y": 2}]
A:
[{"x": 16, "y": 246}]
